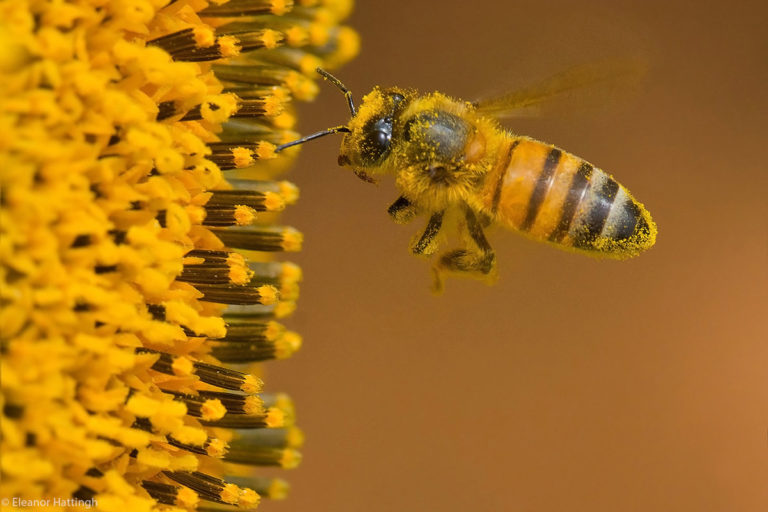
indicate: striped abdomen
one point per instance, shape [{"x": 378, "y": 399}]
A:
[{"x": 557, "y": 197}]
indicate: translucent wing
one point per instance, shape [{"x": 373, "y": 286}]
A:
[{"x": 587, "y": 85}]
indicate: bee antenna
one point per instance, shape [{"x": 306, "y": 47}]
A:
[
  {"x": 335, "y": 81},
  {"x": 329, "y": 131}
]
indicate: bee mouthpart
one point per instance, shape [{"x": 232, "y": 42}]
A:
[
  {"x": 343, "y": 160},
  {"x": 364, "y": 176}
]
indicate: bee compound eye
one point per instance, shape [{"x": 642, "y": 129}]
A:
[
  {"x": 381, "y": 138},
  {"x": 375, "y": 144}
]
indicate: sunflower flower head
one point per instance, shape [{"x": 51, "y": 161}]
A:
[{"x": 139, "y": 212}]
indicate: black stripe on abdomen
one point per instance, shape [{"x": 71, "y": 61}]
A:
[
  {"x": 625, "y": 227},
  {"x": 579, "y": 185},
  {"x": 502, "y": 174},
  {"x": 598, "y": 213},
  {"x": 543, "y": 182}
]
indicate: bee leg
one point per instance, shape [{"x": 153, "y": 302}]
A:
[
  {"x": 486, "y": 258},
  {"x": 426, "y": 244},
  {"x": 465, "y": 261},
  {"x": 402, "y": 210},
  {"x": 484, "y": 219}
]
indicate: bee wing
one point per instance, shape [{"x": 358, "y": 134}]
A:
[{"x": 586, "y": 85}]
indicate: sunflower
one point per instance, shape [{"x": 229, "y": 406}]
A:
[{"x": 138, "y": 218}]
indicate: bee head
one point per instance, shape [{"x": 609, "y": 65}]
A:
[{"x": 369, "y": 140}]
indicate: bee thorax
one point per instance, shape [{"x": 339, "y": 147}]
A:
[{"x": 436, "y": 136}]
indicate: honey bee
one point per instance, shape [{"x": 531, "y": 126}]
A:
[{"x": 453, "y": 161}]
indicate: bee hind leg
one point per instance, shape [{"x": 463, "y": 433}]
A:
[{"x": 480, "y": 262}]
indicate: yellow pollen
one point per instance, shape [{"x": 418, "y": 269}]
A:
[
  {"x": 284, "y": 121},
  {"x": 187, "y": 498},
  {"x": 248, "y": 499},
  {"x": 347, "y": 46},
  {"x": 142, "y": 406},
  {"x": 184, "y": 314},
  {"x": 290, "y": 272},
  {"x": 244, "y": 216},
  {"x": 280, "y": 7},
  {"x": 341, "y": 8},
  {"x": 287, "y": 345},
  {"x": 243, "y": 157},
  {"x": 290, "y": 459},
  {"x": 154, "y": 458},
  {"x": 216, "y": 448},
  {"x": 230, "y": 494},
  {"x": 239, "y": 273},
  {"x": 251, "y": 385},
  {"x": 229, "y": 46},
  {"x": 285, "y": 308},
  {"x": 190, "y": 435},
  {"x": 309, "y": 63},
  {"x": 303, "y": 88},
  {"x": 273, "y": 105},
  {"x": 204, "y": 36},
  {"x": 193, "y": 260},
  {"x": 271, "y": 38},
  {"x": 219, "y": 108},
  {"x": 295, "y": 437},
  {"x": 324, "y": 17},
  {"x": 273, "y": 330},
  {"x": 269, "y": 294},
  {"x": 265, "y": 150},
  {"x": 182, "y": 366},
  {"x": 319, "y": 34},
  {"x": 289, "y": 290},
  {"x": 296, "y": 36},
  {"x": 289, "y": 191},
  {"x": 274, "y": 202},
  {"x": 253, "y": 405},
  {"x": 275, "y": 418},
  {"x": 195, "y": 214},
  {"x": 213, "y": 410},
  {"x": 278, "y": 489},
  {"x": 292, "y": 240},
  {"x": 187, "y": 462}
]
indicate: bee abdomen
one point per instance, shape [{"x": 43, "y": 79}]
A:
[{"x": 557, "y": 197}]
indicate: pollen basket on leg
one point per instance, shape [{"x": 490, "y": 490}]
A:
[{"x": 141, "y": 195}]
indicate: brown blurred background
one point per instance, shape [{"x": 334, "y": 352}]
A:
[{"x": 573, "y": 383}]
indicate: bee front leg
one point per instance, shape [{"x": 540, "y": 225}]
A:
[
  {"x": 402, "y": 210},
  {"x": 480, "y": 261}
]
